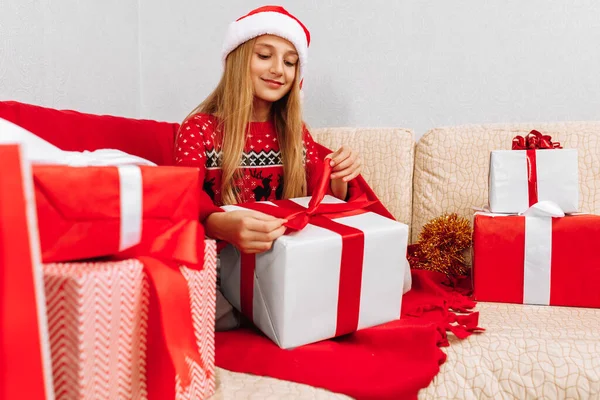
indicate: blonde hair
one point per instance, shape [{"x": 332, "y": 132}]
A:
[{"x": 232, "y": 103}]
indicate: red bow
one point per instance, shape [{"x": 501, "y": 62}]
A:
[
  {"x": 298, "y": 217},
  {"x": 534, "y": 140}
]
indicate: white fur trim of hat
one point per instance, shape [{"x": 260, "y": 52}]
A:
[{"x": 268, "y": 20}]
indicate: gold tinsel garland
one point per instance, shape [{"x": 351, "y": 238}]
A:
[{"x": 441, "y": 245}]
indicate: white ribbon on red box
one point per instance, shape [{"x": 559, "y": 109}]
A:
[
  {"x": 538, "y": 251},
  {"x": 131, "y": 197}
]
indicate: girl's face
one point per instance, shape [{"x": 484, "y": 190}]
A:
[{"x": 272, "y": 67}]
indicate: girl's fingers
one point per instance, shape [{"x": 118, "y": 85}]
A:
[
  {"x": 353, "y": 175},
  {"x": 340, "y": 155},
  {"x": 263, "y": 226},
  {"x": 255, "y": 247},
  {"x": 356, "y": 166},
  {"x": 259, "y": 242},
  {"x": 343, "y": 164}
]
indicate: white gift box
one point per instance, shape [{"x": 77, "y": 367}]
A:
[
  {"x": 554, "y": 177},
  {"x": 297, "y": 282}
]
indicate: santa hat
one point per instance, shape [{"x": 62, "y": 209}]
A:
[{"x": 271, "y": 20}]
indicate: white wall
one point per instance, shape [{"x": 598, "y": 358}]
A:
[
  {"x": 376, "y": 63},
  {"x": 71, "y": 54}
]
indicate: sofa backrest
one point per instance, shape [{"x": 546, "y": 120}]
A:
[
  {"x": 75, "y": 131},
  {"x": 452, "y": 166},
  {"x": 387, "y": 154}
]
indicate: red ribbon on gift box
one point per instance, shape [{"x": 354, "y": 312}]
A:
[
  {"x": 532, "y": 142},
  {"x": 171, "y": 338},
  {"x": 322, "y": 215},
  {"x": 172, "y": 341}
]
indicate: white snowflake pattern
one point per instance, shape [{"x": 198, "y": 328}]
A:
[
  {"x": 191, "y": 147},
  {"x": 267, "y": 146},
  {"x": 187, "y": 128},
  {"x": 207, "y": 142},
  {"x": 184, "y": 140},
  {"x": 259, "y": 141},
  {"x": 192, "y": 135},
  {"x": 186, "y": 153}
]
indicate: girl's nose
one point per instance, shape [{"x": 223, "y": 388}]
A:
[{"x": 277, "y": 67}]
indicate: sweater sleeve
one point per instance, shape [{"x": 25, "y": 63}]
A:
[{"x": 190, "y": 151}]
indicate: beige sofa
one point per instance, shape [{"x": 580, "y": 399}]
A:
[{"x": 527, "y": 352}]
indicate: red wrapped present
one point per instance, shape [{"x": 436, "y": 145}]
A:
[
  {"x": 100, "y": 211},
  {"x": 341, "y": 268},
  {"x": 25, "y": 370},
  {"x": 158, "y": 235},
  {"x": 102, "y": 323},
  {"x": 537, "y": 259}
]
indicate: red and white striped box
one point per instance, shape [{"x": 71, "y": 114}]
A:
[{"x": 98, "y": 319}]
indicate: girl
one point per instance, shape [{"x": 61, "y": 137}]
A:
[{"x": 248, "y": 138}]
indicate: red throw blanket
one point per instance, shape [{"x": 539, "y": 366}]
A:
[{"x": 390, "y": 361}]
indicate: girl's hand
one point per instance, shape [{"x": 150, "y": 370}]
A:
[
  {"x": 248, "y": 230},
  {"x": 347, "y": 165}
]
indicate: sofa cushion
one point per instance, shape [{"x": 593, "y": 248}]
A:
[
  {"x": 452, "y": 165},
  {"x": 387, "y": 155},
  {"x": 75, "y": 131}
]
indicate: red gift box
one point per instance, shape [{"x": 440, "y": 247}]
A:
[
  {"x": 533, "y": 260},
  {"x": 156, "y": 225},
  {"x": 25, "y": 365},
  {"x": 101, "y": 330},
  {"x": 101, "y": 211}
]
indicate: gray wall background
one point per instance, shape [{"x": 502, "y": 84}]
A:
[{"x": 378, "y": 63}]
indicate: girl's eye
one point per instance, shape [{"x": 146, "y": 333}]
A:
[
  {"x": 263, "y": 56},
  {"x": 289, "y": 63}
]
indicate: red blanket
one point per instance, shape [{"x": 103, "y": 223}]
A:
[{"x": 390, "y": 361}]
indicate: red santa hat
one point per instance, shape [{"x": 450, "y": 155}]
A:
[{"x": 271, "y": 20}]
